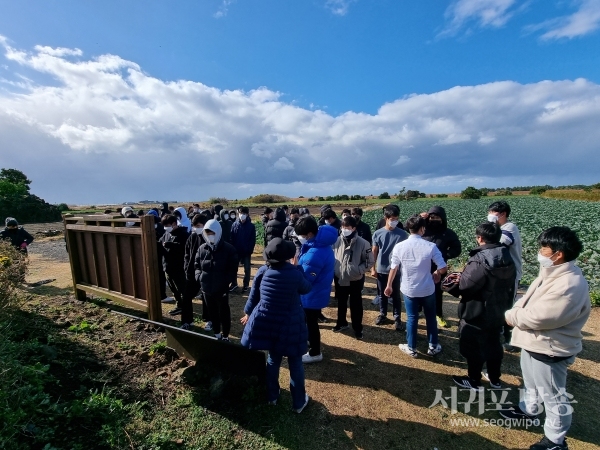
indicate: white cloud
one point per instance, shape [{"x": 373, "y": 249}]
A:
[
  {"x": 283, "y": 164},
  {"x": 484, "y": 13},
  {"x": 583, "y": 21},
  {"x": 114, "y": 131},
  {"x": 223, "y": 9},
  {"x": 338, "y": 7}
]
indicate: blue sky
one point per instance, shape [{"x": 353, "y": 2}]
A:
[{"x": 300, "y": 98}]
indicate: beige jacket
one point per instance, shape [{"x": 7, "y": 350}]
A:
[
  {"x": 352, "y": 261},
  {"x": 550, "y": 316}
]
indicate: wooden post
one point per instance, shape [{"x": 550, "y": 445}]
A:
[
  {"x": 73, "y": 259},
  {"x": 150, "y": 252}
]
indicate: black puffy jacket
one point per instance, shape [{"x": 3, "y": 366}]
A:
[
  {"x": 487, "y": 286},
  {"x": 16, "y": 236},
  {"x": 192, "y": 245},
  {"x": 172, "y": 249},
  {"x": 216, "y": 268},
  {"x": 276, "y": 226},
  {"x": 443, "y": 237}
]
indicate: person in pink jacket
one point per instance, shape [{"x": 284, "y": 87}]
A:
[{"x": 547, "y": 327}]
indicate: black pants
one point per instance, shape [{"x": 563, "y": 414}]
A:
[
  {"x": 162, "y": 280},
  {"x": 354, "y": 292},
  {"x": 192, "y": 287},
  {"x": 479, "y": 347},
  {"x": 176, "y": 281},
  {"x": 220, "y": 314},
  {"x": 314, "y": 335},
  {"x": 439, "y": 295},
  {"x": 507, "y": 330},
  {"x": 382, "y": 280},
  {"x": 246, "y": 262}
]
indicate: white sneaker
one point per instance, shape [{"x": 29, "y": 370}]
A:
[
  {"x": 406, "y": 349},
  {"x": 306, "y": 399},
  {"x": 307, "y": 359},
  {"x": 208, "y": 326},
  {"x": 432, "y": 351},
  {"x": 168, "y": 300}
]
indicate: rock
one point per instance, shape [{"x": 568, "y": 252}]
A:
[
  {"x": 140, "y": 327},
  {"x": 65, "y": 324},
  {"x": 117, "y": 356},
  {"x": 181, "y": 363},
  {"x": 131, "y": 352},
  {"x": 107, "y": 326},
  {"x": 144, "y": 356},
  {"x": 170, "y": 354}
]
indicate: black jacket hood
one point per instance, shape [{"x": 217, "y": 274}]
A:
[
  {"x": 280, "y": 215},
  {"x": 279, "y": 251},
  {"x": 439, "y": 211}
]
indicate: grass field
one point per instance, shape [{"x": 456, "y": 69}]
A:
[{"x": 87, "y": 378}]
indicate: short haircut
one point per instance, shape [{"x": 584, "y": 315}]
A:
[
  {"x": 357, "y": 211},
  {"x": 268, "y": 210},
  {"x": 500, "y": 207},
  {"x": 171, "y": 208},
  {"x": 169, "y": 219},
  {"x": 329, "y": 214},
  {"x": 391, "y": 211},
  {"x": 346, "y": 211},
  {"x": 306, "y": 225},
  {"x": 196, "y": 205},
  {"x": 140, "y": 213},
  {"x": 349, "y": 221},
  {"x": 285, "y": 207},
  {"x": 490, "y": 232},
  {"x": 415, "y": 223},
  {"x": 294, "y": 211},
  {"x": 244, "y": 210},
  {"x": 232, "y": 211},
  {"x": 199, "y": 219},
  {"x": 562, "y": 239}
]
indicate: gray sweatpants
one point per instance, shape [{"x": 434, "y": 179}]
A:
[{"x": 545, "y": 390}]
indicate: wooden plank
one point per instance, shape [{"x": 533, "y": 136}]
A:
[
  {"x": 102, "y": 229},
  {"x": 106, "y": 256},
  {"x": 74, "y": 262},
  {"x": 132, "y": 265},
  {"x": 95, "y": 260},
  {"x": 150, "y": 257},
  {"x": 115, "y": 296}
]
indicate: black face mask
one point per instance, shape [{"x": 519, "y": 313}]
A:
[{"x": 435, "y": 225}]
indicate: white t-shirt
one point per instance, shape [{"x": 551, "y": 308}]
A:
[
  {"x": 414, "y": 256},
  {"x": 512, "y": 239}
]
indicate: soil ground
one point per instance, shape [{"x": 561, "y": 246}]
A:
[{"x": 365, "y": 394}]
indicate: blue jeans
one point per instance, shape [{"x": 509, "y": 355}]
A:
[
  {"x": 296, "y": 378},
  {"x": 412, "y": 304}
]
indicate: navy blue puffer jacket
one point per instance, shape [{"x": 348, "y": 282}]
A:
[{"x": 277, "y": 321}]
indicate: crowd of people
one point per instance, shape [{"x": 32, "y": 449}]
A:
[{"x": 202, "y": 251}]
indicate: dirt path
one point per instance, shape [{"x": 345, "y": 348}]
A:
[{"x": 369, "y": 395}]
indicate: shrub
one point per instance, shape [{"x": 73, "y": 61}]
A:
[
  {"x": 504, "y": 192},
  {"x": 384, "y": 195},
  {"x": 217, "y": 200},
  {"x": 441, "y": 195},
  {"x": 268, "y": 198},
  {"x": 13, "y": 268},
  {"x": 538, "y": 190},
  {"x": 62, "y": 207},
  {"x": 470, "y": 193},
  {"x": 595, "y": 298}
]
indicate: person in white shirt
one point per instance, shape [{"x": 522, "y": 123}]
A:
[
  {"x": 413, "y": 257},
  {"x": 498, "y": 212}
]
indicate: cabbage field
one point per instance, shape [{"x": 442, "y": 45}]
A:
[{"x": 531, "y": 214}]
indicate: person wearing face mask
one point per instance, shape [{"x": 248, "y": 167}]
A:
[
  {"x": 353, "y": 259},
  {"x": 183, "y": 220},
  {"x": 547, "y": 323},
  {"x": 172, "y": 250},
  {"x": 193, "y": 210},
  {"x": 382, "y": 221},
  {"x": 289, "y": 233},
  {"x": 225, "y": 225},
  {"x": 384, "y": 241},
  {"x": 363, "y": 229},
  {"x": 128, "y": 213},
  {"x": 498, "y": 212},
  {"x": 331, "y": 218},
  {"x": 18, "y": 237},
  {"x": 446, "y": 240},
  {"x": 276, "y": 226},
  {"x": 232, "y": 215},
  {"x": 216, "y": 268},
  {"x": 193, "y": 243},
  {"x": 243, "y": 238},
  {"x": 486, "y": 290},
  {"x": 413, "y": 258},
  {"x": 317, "y": 261}
]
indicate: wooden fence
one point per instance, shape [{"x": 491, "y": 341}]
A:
[{"x": 111, "y": 260}]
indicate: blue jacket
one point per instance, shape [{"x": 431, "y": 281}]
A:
[
  {"x": 318, "y": 262},
  {"x": 277, "y": 321},
  {"x": 243, "y": 237}
]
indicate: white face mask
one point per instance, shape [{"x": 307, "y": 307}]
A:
[
  {"x": 216, "y": 217},
  {"x": 198, "y": 230},
  {"x": 346, "y": 232},
  {"x": 195, "y": 210},
  {"x": 211, "y": 238},
  {"x": 545, "y": 261},
  {"x": 393, "y": 223},
  {"x": 302, "y": 240},
  {"x": 492, "y": 218},
  {"x": 232, "y": 216},
  {"x": 129, "y": 224},
  {"x": 243, "y": 217},
  {"x": 168, "y": 229}
]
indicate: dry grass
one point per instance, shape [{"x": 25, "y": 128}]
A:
[{"x": 369, "y": 395}]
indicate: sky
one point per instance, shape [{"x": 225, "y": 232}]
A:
[{"x": 107, "y": 102}]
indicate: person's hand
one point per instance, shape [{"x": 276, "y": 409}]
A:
[
  {"x": 244, "y": 320},
  {"x": 24, "y": 245},
  {"x": 373, "y": 272},
  {"x": 436, "y": 277},
  {"x": 388, "y": 291},
  {"x": 424, "y": 215}
]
